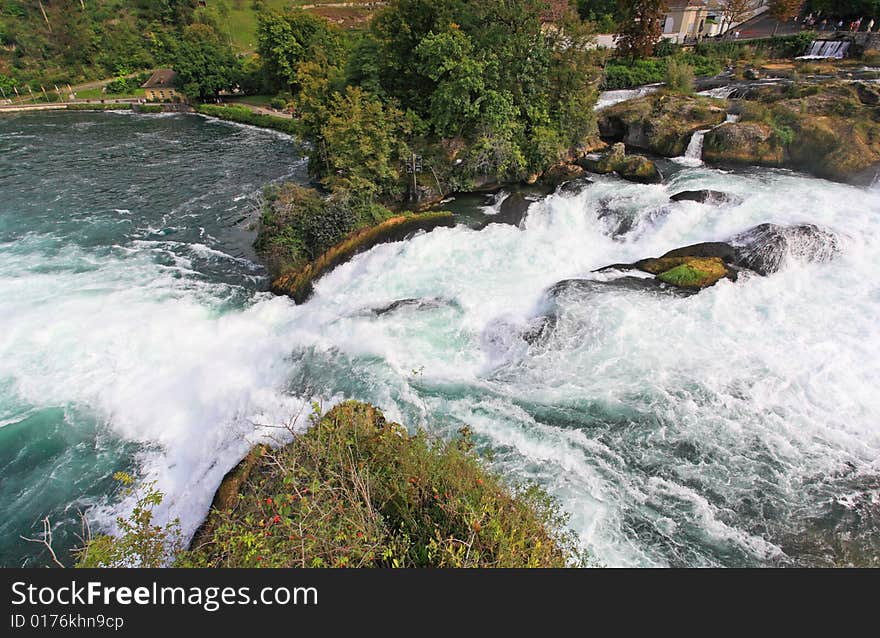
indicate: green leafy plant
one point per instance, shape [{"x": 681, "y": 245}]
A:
[{"x": 140, "y": 542}]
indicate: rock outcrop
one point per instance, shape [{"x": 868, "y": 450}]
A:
[
  {"x": 762, "y": 250},
  {"x": 635, "y": 168},
  {"x": 662, "y": 124},
  {"x": 706, "y": 197},
  {"x": 298, "y": 284}
]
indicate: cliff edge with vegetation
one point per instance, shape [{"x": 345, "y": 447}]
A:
[{"x": 359, "y": 491}]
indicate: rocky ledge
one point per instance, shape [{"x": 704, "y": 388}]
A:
[
  {"x": 761, "y": 250},
  {"x": 298, "y": 283},
  {"x": 635, "y": 168}
]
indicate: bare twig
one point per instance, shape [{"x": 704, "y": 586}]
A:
[{"x": 46, "y": 541}]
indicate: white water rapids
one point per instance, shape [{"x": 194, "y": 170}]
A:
[{"x": 706, "y": 430}]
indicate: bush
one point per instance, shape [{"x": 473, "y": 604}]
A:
[
  {"x": 140, "y": 542},
  {"x": 679, "y": 77},
  {"x": 121, "y": 86},
  {"x": 626, "y": 74},
  {"x": 666, "y": 48},
  {"x": 871, "y": 57},
  {"x": 298, "y": 225},
  {"x": 358, "y": 491}
]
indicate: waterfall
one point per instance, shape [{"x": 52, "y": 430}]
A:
[
  {"x": 824, "y": 49},
  {"x": 610, "y": 98},
  {"x": 695, "y": 148}
]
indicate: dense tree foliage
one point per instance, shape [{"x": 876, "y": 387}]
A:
[
  {"x": 640, "y": 26},
  {"x": 95, "y": 39},
  {"x": 205, "y": 65},
  {"x": 288, "y": 39},
  {"x": 505, "y": 87},
  {"x": 605, "y": 14}
]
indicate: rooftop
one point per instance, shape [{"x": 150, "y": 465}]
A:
[{"x": 160, "y": 79}]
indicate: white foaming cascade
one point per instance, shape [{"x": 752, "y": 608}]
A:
[
  {"x": 658, "y": 421},
  {"x": 693, "y": 155},
  {"x": 610, "y": 98},
  {"x": 826, "y": 49}
]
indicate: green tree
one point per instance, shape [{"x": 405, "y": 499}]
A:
[
  {"x": 640, "y": 27},
  {"x": 448, "y": 60},
  {"x": 362, "y": 145},
  {"x": 286, "y": 40},
  {"x": 205, "y": 64}
]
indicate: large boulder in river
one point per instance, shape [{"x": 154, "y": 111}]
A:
[
  {"x": 562, "y": 173},
  {"x": 635, "y": 168},
  {"x": 829, "y": 130},
  {"x": 660, "y": 123},
  {"x": 693, "y": 267},
  {"x": 764, "y": 249},
  {"x": 744, "y": 143}
]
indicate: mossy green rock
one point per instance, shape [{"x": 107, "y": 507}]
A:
[
  {"x": 697, "y": 273},
  {"x": 635, "y": 168}
]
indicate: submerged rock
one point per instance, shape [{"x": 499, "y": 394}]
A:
[
  {"x": 424, "y": 303},
  {"x": 706, "y": 197},
  {"x": 765, "y": 248},
  {"x": 575, "y": 187},
  {"x": 512, "y": 211}
]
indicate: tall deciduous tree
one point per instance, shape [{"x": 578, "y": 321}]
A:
[
  {"x": 640, "y": 27},
  {"x": 734, "y": 12},
  {"x": 205, "y": 64},
  {"x": 286, "y": 40},
  {"x": 785, "y": 10}
]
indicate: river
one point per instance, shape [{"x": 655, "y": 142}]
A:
[{"x": 736, "y": 427}]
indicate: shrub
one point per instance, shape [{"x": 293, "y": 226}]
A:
[
  {"x": 871, "y": 57},
  {"x": 359, "y": 491},
  {"x": 679, "y": 77},
  {"x": 140, "y": 542},
  {"x": 97, "y": 106}
]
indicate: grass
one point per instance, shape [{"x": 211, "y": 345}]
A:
[
  {"x": 359, "y": 491},
  {"x": 243, "y": 115},
  {"x": 240, "y": 23},
  {"x": 96, "y": 94},
  {"x": 256, "y": 100}
]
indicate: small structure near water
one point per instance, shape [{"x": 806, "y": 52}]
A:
[{"x": 162, "y": 87}]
